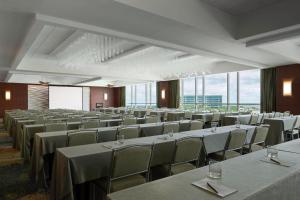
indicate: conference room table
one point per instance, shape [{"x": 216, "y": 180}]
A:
[
  {"x": 45, "y": 143},
  {"x": 277, "y": 126},
  {"x": 253, "y": 179},
  {"x": 30, "y": 130},
  {"x": 80, "y": 164}
]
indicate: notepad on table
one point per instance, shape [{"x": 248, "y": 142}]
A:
[{"x": 214, "y": 187}]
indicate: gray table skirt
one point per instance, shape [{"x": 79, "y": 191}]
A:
[
  {"x": 253, "y": 179},
  {"x": 89, "y": 162}
]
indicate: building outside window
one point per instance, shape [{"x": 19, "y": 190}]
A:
[{"x": 231, "y": 91}]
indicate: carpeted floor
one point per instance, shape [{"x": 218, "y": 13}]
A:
[{"x": 14, "y": 174}]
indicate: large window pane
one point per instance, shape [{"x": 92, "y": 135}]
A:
[
  {"x": 216, "y": 92},
  {"x": 199, "y": 93},
  {"x": 233, "y": 93},
  {"x": 128, "y": 95},
  {"x": 141, "y": 95},
  {"x": 250, "y": 89},
  {"x": 153, "y": 94},
  {"x": 188, "y": 99}
]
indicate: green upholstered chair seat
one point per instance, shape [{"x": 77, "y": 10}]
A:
[
  {"x": 127, "y": 182},
  {"x": 180, "y": 168}
]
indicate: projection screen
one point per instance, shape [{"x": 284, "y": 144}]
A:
[{"x": 65, "y": 97}]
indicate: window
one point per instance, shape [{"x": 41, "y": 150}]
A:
[
  {"x": 199, "y": 93},
  {"x": 141, "y": 95},
  {"x": 220, "y": 91},
  {"x": 249, "y": 90},
  {"x": 188, "y": 91},
  {"x": 232, "y": 91},
  {"x": 128, "y": 95},
  {"x": 216, "y": 92}
]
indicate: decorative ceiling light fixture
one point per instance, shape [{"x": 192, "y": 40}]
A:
[{"x": 91, "y": 49}]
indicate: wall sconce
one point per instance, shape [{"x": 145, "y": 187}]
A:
[
  {"x": 287, "y": 88},
  {"x": 105, "y": 96},
  {"x": 163, "y": 94},
  {"x": 7, "y": 95}
]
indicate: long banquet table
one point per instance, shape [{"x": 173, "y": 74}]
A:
[
  {"x": 45, "y": 143},
  {"x": 30, "y": 130},
  {"x": 277, "y": 126},
  {"x": 80, "y": 164},
  {"x": 253, "y": 179}
]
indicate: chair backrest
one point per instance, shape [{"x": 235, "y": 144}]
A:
[
  {"x": 162, "y": 153},
  {"x": 286, "y": 113},
  {"x": 277, "y": 114},
  {"x": 236, "y": 139},
  {"x": 130, "y": 160},
  {"x": 152, "y": 119},
  {"x": 91, "y": 124},
  {"x": 216, "y": 117},
  {"x": 130, "y": 121},
  {"x": 171, "y": 127},
  {"x": 254, "y": 119},
  {"x": 260, "y": 118},
  {"x": 197, "y": 125},
  {"x": 187, "y": 149},
  {"x": 74, "y": 119},
  {"x": 129, "y": 132},
  {"x": 151, "y": 130},
  {"x": 297, "y": 123},
  {"x": 260, "y": 134},
  {"x": 105, "y": 116},
  {"x": 188, "y": 114},
  {"x": 76, "y": 138},
  {"x": 55, "y": 127}
]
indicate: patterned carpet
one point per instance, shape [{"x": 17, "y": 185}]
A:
[{"x": 14, "y": 174}]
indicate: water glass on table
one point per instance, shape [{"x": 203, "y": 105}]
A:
[
  {"x": 120, "y": 139},
  {"x": 171, "y": 133},
  {"x": 272, "y": 153},
  {"x": 214, "y": 127},
  {"x": 237, "y": 124},
  {"x": 215, "y": 169}
]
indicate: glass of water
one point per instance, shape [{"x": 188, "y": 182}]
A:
[
  {"x": 171, "y": 133},
  {"x": 237, "y": 124},
  {"x": 272, "y": 153},
  {"x": 120, "y": 139},
  {"x": 215, "y": 169},
  {"x": 214, "y": 127}
]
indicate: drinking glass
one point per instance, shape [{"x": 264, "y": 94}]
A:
[
  {"x": 171, "y": 133},
  {"x": 120, "y": 139},
  {"x": 272, "y": 153},
  {"x": 214, "y": 127},
  {"x": 237, "y": 124},
  {"x": 215, "y": 169}
]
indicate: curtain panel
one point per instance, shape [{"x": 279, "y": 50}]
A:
[
  {"x": 174, "y": 92},
  {"x": 268, "y": 90},
  {"x": 158, "y": 94},
  {"x": 122, "y": 97}
]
